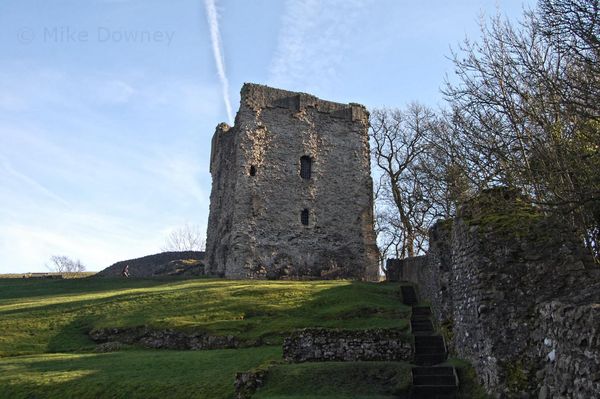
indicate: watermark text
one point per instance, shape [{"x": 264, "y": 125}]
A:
[{"x": 100, "y": 34}]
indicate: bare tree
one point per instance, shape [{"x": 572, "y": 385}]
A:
[
  {"x": 407, "y": 191},
  {"x": 526, "y": 109},
  {"x": 185, "y": 238},
  {"x": 523, "y": 112},
  {"x": 65, "y": 265}
]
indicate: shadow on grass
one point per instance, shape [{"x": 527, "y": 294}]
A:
[
  {"x": 253, "y": 311},
  {"x": 369, "y": 380},
  {"x": 268, "y": 316},
  {"x": 247, "y": 309},
  {"x": 73, "y": 337},
  {"x": 129, "y": 374}
]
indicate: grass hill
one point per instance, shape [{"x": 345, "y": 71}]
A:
[
  {"x": 173, "y": 263},
  {"x": 45, "y": 351}
]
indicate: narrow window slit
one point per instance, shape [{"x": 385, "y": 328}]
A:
[
  {"x": 252, "y": 170},
  {"x": 304, "y": 217},
  {"x": 305, "y": 167}
]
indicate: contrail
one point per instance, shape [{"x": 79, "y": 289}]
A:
[{"x": 215, "y": 38}]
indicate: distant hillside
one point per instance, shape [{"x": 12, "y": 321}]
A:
[{"x": 189, "y": 263}]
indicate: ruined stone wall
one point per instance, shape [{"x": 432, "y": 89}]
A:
[
  {"x": 408, "y": 269},
  {"x": 161, "y": 339},
  {"x": 223, "y": 168},
  {"x": 568, "y": 339},
  {"x": 503, "y": 281},
  {"x": 321, "y": 344},
  {"x": 255, "y": 228}
]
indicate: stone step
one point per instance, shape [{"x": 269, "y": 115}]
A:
[
  {"x": 418, "y": 331},
  {"x": 437, "y": 370},
  {"x": 426, "y": 350},
  {"x": 429, "y": 344},
  {"x": 421, "y": 325},
  {"x": 433, "y": 392},
  {"x": 420, "y": 317},
  {"x": 430, "y": 359},
  {"x": 421, "y": 331},
  {"x": 428, "y": 380},
  {"x": 429, "y": 340},
  {"x": 421, "y": 311},
  {"x": 434, "y": 380},
  {"x": 409, "y": 295},
  {"x": 437, "y": 396}
]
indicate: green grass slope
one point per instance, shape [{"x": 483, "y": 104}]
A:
[
  {"x": 129, "y": 374},
  {"x": 336, "y": 380},
  {"x": 55, "y": 316},
  {"x": 45, "y": 351}
]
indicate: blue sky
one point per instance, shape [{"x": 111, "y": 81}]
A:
[{"x": 107, "y": 107}]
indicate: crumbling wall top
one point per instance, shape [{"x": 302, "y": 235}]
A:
[{"x": 258, "y": 97}]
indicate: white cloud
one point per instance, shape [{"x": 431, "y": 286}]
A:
[{"x": 313, "y": 40}]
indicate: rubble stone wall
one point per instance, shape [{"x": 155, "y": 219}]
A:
[
  {"x": 319, "y": 344},
  {"x": 162, "y": 339},
  {"x": 569, "y": 345},
  {"x": 513, "y": 292}
]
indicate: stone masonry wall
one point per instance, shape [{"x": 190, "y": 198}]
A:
[
  {"x": 254, "y": 227},
  {"x": 397, "y": 269},
  {"x": 503, "y": 281},
  {"x": 569, "y": 344},
  {"x": 319, "y": 344},
  {"x": 162, "y": 339}
]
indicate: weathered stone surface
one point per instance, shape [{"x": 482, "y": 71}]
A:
[
  {"x": 516, "y": 296},
  {"x": 110, "y": 347},
  {"x": 320, "y": 344},
  {"x": 570, "y": 348},
  {"x": 162, "y": 339},
  {"x": 176, "y": 263},
  {"x": 247, "y": 383},
  {"x": 258, "y": 195}
]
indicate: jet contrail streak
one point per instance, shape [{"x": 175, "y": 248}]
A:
[{"x": 215, "y": 38}]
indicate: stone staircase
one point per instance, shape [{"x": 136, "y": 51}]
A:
[{"x": 429, "y": 380}]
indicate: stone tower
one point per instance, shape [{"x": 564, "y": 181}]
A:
[{"x": 291, "y": 190}]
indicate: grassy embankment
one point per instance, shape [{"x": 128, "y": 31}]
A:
[{"x": 45, "y": 351}]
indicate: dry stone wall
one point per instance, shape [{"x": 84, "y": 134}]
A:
[
  {"x": 161, "y": 339},
  {"x": 248, "y": 382},
  {"x": 505, "y": 282},
  {"x": 569, "y": 345},
  {"x": 320, "y": 344},
  {"x": 255, "y": 228}
]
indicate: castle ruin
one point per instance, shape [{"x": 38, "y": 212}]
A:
[
  {"x": 292, "y": 191},
  {"x": 514, "y": 293}
]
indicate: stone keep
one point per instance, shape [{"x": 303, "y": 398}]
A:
[{"x": 291, "y": 190}]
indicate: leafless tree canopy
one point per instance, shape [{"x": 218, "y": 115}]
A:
[
  {"x": 185, "y": 238},
  {"x": 527, "y": 112},
  {"x": 414, "y": 177},
  {"x": 523, "y": 112},
  {"x": 64, "y": 264}
]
